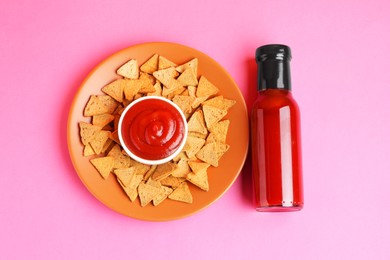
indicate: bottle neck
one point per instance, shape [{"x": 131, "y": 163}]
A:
[{"x": 273, "y": 74}]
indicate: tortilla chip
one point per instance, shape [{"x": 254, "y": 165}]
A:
[
  {"x": 220, "y": 102},
  {"x": 150, "y": 172},
  {"x": 98, "y": 141},
  {"x": 183, "y": 102},
  {"x": 164, "y": 63},
  {"x": 150, "y": 65},
  {"x": 114, "y": 137},
  {"x": 220, "y": 130},
  {"x": 208, "y": 154},
  {"x": 129, "y": 70},
  {"x": 88, "y": 151},
  {"x": 102, "y": 119},
  {"x": 188, "y": 78},
  {"x": 131, "y": 88},
  {"x": 197, "y": 123},
  {"x": 147, "y": 82},
  {"x": 103, "y": 165},
  {"x": 193, "y": 64},
  {"x": 182, "y": 193},
  {"x": 99, "y": 105},
  {"x": 197, "y": 167},
  {"x": 115, "y": 89},
  {"x": 120, "y": 160},
  {"x": 165, "y": 191},
  {"x": 125, "y": 175},
  {"x": 171, "y": 181},
  {"x": 199, "y": 179},
  {"x": 157, "y": 90},
  {"x": 206, "y": 88},
  {"x": 132, "y": 190},
  {"x": 182, "y": 169},
  {"x": 193, "y": 145},
  {"x": 107, "y": 145},
  {"x": 163, "y": 170},
  {"x": 88, "y": 131},
  {"x": 165, "y": 76},
  {"x": 212, "y": 115},
  {"x": 180, "y": 156},
  {"x": 147, "y": 192},
  {"x": 176, "y": 89}
]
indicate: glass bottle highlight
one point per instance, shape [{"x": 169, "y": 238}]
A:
[{"x": 276, "y": 140}]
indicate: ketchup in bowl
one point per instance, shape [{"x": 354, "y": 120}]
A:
[{"x": 152, "y": 130}]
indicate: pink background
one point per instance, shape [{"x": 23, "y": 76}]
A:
[{"x": 340, "y": 74}]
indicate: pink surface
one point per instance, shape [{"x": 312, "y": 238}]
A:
[{"x": 340, "y": 79}]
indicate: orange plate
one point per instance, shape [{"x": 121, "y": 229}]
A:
[{"x": 221, "y": 178}]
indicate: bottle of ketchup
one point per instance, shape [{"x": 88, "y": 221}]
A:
[{"x": 275, "y": 133}]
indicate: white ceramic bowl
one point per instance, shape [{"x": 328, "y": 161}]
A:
[{"x": 148, "y": 161}]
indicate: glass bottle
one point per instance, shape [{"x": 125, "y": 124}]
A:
[{"x": 275, "y": 134}]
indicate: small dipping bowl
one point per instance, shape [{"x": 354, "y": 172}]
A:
[{"x": 152, "y": 130}]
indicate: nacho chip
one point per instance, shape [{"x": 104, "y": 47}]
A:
[
  {"x": 98, "y": 141},
  {"x": 220, "y": 102},
  {"x": 88, "y": 131},
  {"x": 206, "y": 88},
  {"x": 171, "y": 181},
  {"x": 182, "y": 193},
  {"x": 132, "y": 190},
  {"x": 197, "y": 167},
  {"x": 212, "y": 115},
  {"x": 129, "y": 70},
  {"x": 100, "y": 105},
  {"x": 88, "y": 151},
  {"x": 166, "y": 76},
  {"x": 183, "y": 102},
  {"x": 131, "y": 88},
  {"x": 164, "y": 63},
  {"x": 157, "y": 90},
  {"x": 165, "y": 191},
  {"x": 150, "y": 172},
  {"x": 193, "y": 145},
  {"x": 115, "y": 89},
  {"x": 125, "y": 175},
  {"x": 209, "y": 154},
  {"x": 197, "y": 123},
  {"x": 147, "y": 83},
  {"x": 102, "y": 119},
  {"x": 163, "y": 170},
  {"x": 150, "y": 65},
  {"x": 220, "y": 130},
  {"x": 188, "y": 78},
  {"x": 182, "y": 169},
  {"x": 193, "y": 64},
  {"x": 199, "y": 179},
  {"x": 103, "y": 165},
  {"x": 120, "y": 160},
  {"x": 147, "y": 192},
  {"x": 114, "y": 137}
]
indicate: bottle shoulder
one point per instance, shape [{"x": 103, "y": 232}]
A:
[{"x": 275, "y": 99}]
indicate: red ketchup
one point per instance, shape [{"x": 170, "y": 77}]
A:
[
  {"x": 152, "y": 129},
  {"x": 276, "y": 141}
]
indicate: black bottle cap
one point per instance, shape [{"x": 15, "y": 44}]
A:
[{"x": 273, "y": 62}]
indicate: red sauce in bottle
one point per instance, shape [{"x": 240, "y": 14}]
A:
[
  {"x": 152, "y": 129},
  {"x": 276, "y": 144}
]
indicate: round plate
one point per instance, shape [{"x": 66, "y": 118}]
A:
[{"x": 221, "y": 178}]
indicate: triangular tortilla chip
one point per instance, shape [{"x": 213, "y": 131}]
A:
[
  {"x": 220, "y": 130},
  {"x": 125, "y": 175},
  {"x": 199, "y": 179},
  {"x": 171, "y": 181},
  {"x": 193, "y": 64},
  {"x": 115, "y": 89},
  {"x": 147, "y": 82},
  {"x": 197, "y": 123},
  {"x": 163, "y": 170},
  {"x": 120, "y": 160},
  {"x": 131, "y": 88},
  {"x": 165, "y": 76},
  {"x": 165, "y": 191},
  {"x": 197, "y": 167},
  {"x": 132, "y": 190},
  {"x": 100, "y": 105},
  {"x": 206, "y": 88},
  {"x": 98, "y": 141},
  {"x": 220, "y": 102},
  {"x": 209, "y": 154},
  {"x": 103, "y": 165},
  {"x": 193, "y": 145},
  {"x": 182, "y": 169},
  {"x": 102, "y": 120},
  {"x": 129, "y": 70},
  {"x": 164, "y": 63},
  {"x": 150, "y": 172},
  {"x": 88, "y": 151},
  {"x": 87, "y": 132},
  {"x": 157, "y": 90},
  {"x": 183, "y": 102},
  {"x": 188, "y": 78},
  {"x": 150, "y": 65},
  {"x": 147, "y": 192},
  {"x": 212, "y": 115},
  {"x": 181, "y": 193},
  {"x": 114, "y": 137}
]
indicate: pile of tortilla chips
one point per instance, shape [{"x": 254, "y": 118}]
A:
[{"x": 196, "y": 96}]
